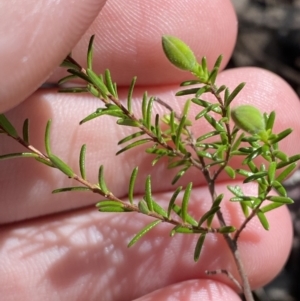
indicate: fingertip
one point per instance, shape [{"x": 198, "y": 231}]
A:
[
  {"x": 36, "y": 37},
  {"x": 198, "y": 289}
]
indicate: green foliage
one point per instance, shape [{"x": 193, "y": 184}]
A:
[{"x": 170, "y": 136}]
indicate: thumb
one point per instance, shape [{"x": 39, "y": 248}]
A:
[{"x": 35, "y": 37}]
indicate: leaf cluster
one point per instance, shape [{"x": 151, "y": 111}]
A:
[{"x": 170, "y": 136}]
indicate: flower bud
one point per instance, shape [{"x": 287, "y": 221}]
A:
[
  {"x": 248, "y": 118},
  {"x": 179, "y": 54}
]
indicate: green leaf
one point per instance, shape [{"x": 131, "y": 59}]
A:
[
  {"x": 61, "y": 165},
  {"x": 80, "y": 74},
  {"x": 134, "y": 144},
  {"x": 173, "y": 199},
  {"x": 143, "y": 207},
  {"x": 159, "y": 210},
  {"x": 97, "y": 82},
  {"x": 270, "y": 121},
  {"x": 157, "y": 128},
  {"x": 69, "y": 64},
  {"x": 74, "y": 188},
  {"x": 271, "y": 206},
  {"x": 190, "y": 82},
  {"x": 141, "y": 233},
  {"x": 214, "y": 123},
  {"x": 92, "y": 90},
  {"x": 82, "y": 161},
  {"x": 192, "y": 91},
  {"x": 179, "y": 54},
  {"x": 101, "y": 181},
  {"x": 280, "y": 155},
  {"x": 47, "y": 138},
  {"x": 258, "y": 175},
  {"x": 185, "y": 201},
  {"x": 44, "y": 161},
  {"x": 131, "y": 184},
  {"x": 129, "y": 96},
  {"x": 105, "y": 203},
  {"x": 248, "y": 118},
  {"x": 234, "y": 93},
  {"x": 209, "y": 214},
  {"x": 180, "y": 174},
  {"x": 19, "y": 155},
  {"x": 280, "y": 199},
  {"x": 181, "y": 229},
  {"x": 237, "y": 142},
  {"x": 230, "y": 171},
  {"x": 236, "y": 190},
  {"x": 216, "y": 204},
  {"x": 253, "y": 155},
  {"x": 7, "y": 126},
  {"x": 26, "y": 131},
  {"x": 281, "y": 136},
  {"x": 111, "y": 206},
  {"x": 112, "y": 110},
  {"x": 179, "y": 131},
  {"x": 245, "y": 209},
  {"x": 128, "y": 122},
  {"x": 109, "y": 83},
  {"x": 148, "y": 194},
  {"x": 263, "y": 220},
  {"x": 130, "y": 137},
  {"x": 252, "y": 166},
  {"x": 149, "y": 113},
  {"x": 207, "y": 135},
  {"x": 174, "y": 164},
  {"x": 73, "y": 89},
  {"x": 218, "y": 62},
  {"x": 291, "y": 159},
  {"x": 66, "y": 79},
  {"x": 213, "y": 76},
  {"x": 272, "y": 171},
  {"x": 279, "y": 188},
  {"x": 189, "y": 219},
  {"x": 199, "y": 246},
  {"x": 144, "y": 105},
  {"x": 90, "y": 52},
  {"x": 286, "y": 172}
]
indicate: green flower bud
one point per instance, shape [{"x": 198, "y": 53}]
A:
[
  {"x": 249, "y": 119},
  {"x": 179, "y": 54}
]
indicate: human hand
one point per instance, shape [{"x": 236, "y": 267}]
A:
[{"x": 50, "y": 251}]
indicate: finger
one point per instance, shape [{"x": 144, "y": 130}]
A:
[
  {"x": 36, "y": 37},
  {"x": 128, "y": 37},
  {"x": 263, "y": 89},
  {"x": 83, "y": 255},
  {"x": 204, "y": 290}
]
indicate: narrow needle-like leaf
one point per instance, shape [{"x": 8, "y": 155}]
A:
[
  {"x": 173, "y": 199},
  {"x": 7, "y": 126},
  {"x": 61, "y": 165},
  {"x": 82, "y": 161},
  {"x": 185, "y": 201},
  {"x": 90, "y": 52},
  {"x": 148, "y": 193},
  {"x": 129, "y": 96},
  {"x": 47, "y": 138},
  {"x": 141, "y": 233},
  {"x": 131, "y": 184},
  {"x": 199, "y": 246},
  {"x": 101, "y": 181},
  {"x": 26, "y": 131}
]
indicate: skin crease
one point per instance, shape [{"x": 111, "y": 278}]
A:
[{"x": 49, "y": 252}]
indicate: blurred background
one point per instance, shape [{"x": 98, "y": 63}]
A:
[{"x": 269, "y": 37}]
